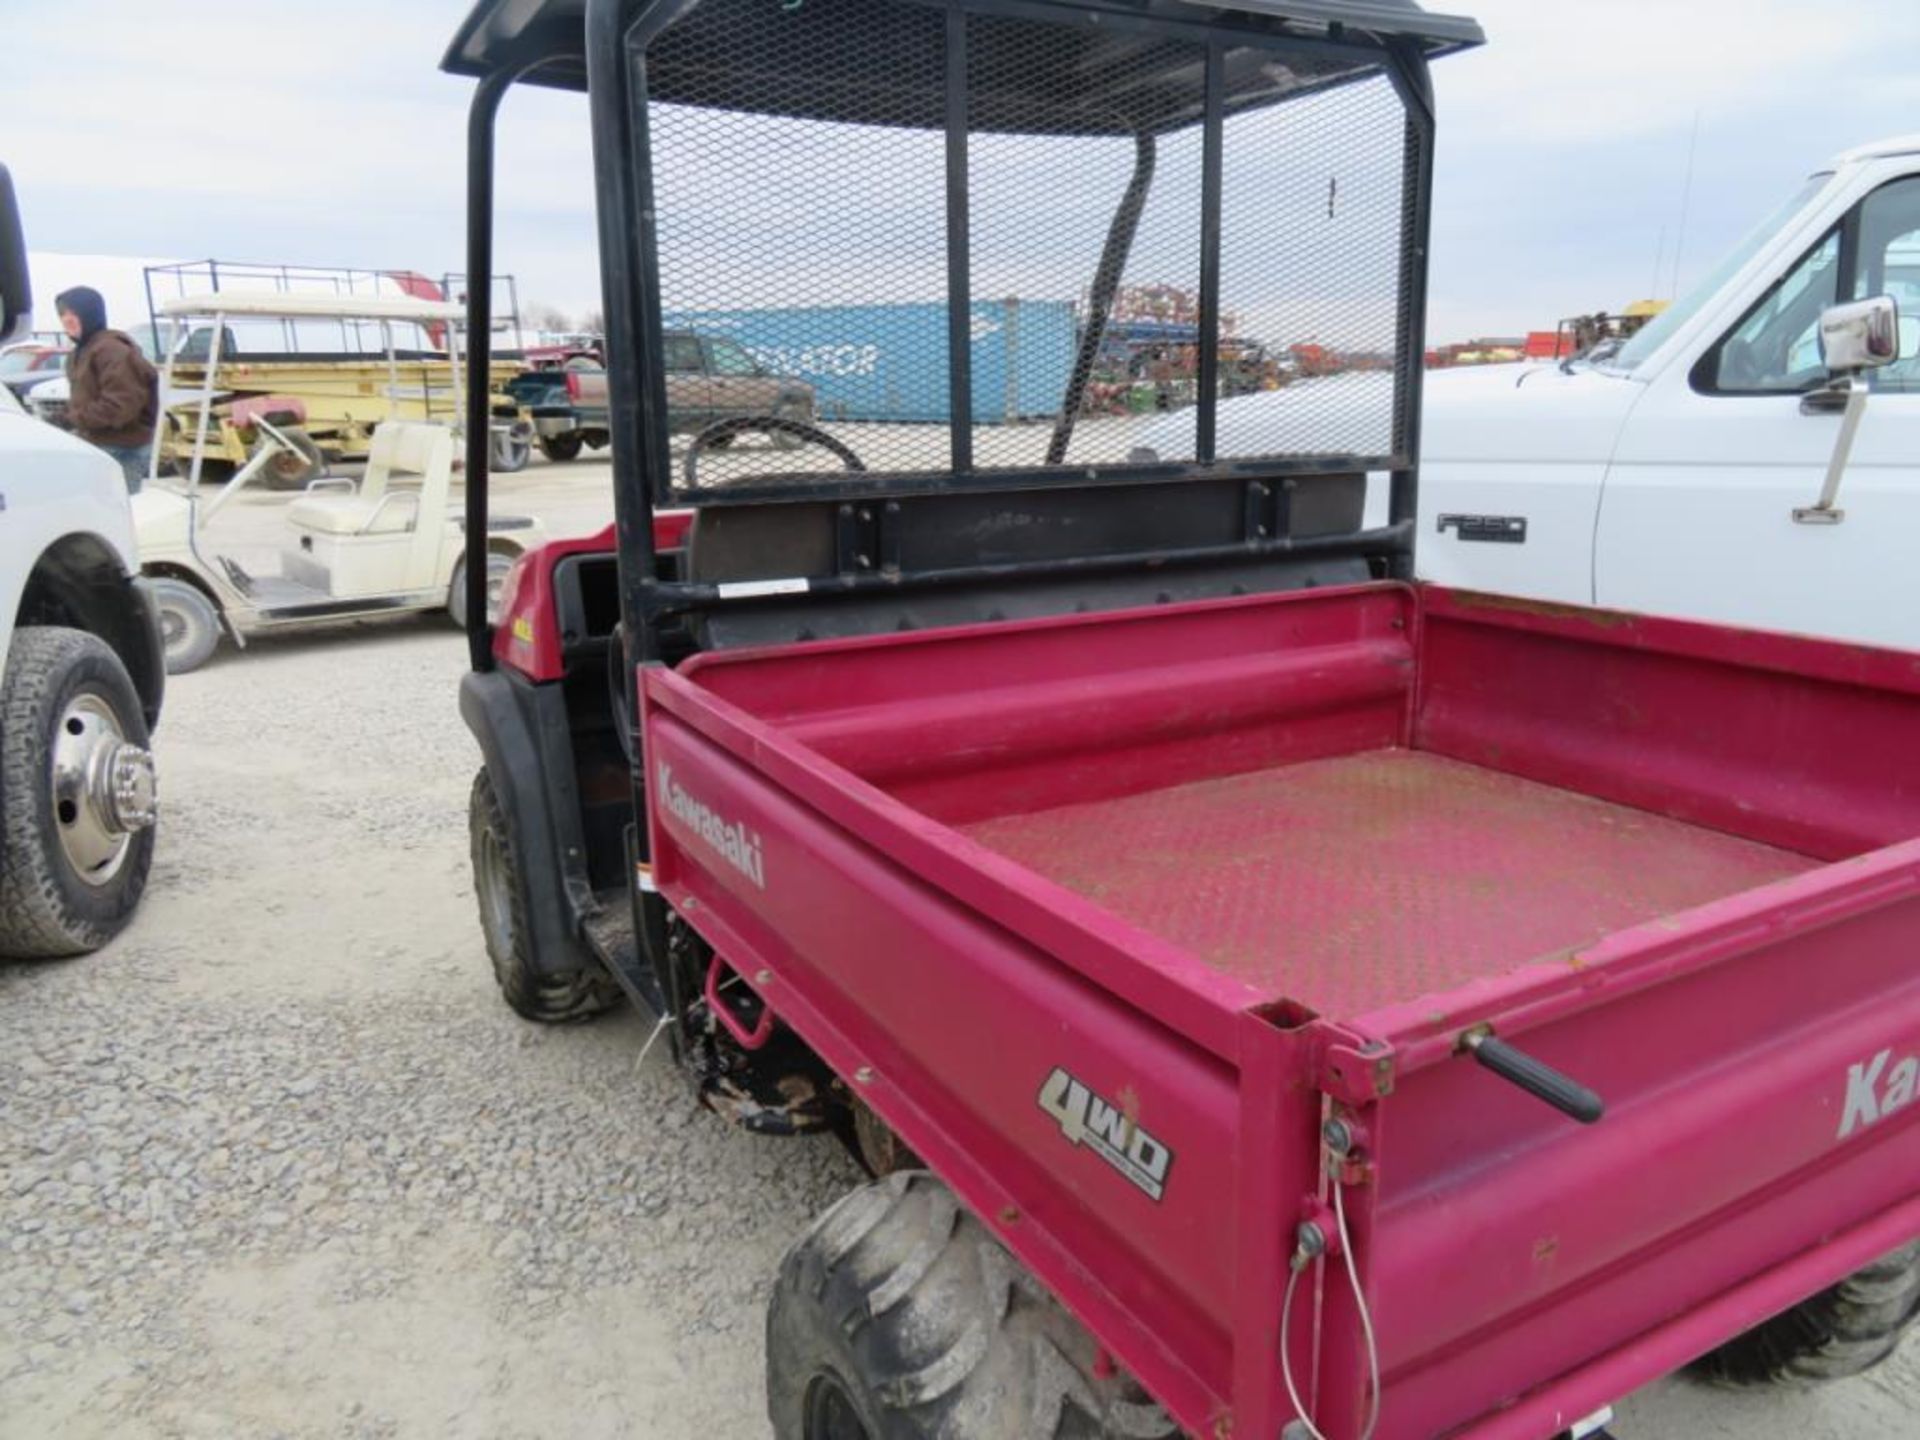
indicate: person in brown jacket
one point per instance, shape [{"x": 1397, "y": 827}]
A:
[{"x": 113, "y": 392}]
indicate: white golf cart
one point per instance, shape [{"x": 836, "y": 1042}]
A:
[{"x": 390, "y": 546}]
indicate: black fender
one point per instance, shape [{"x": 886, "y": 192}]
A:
[{"x": 522, "y": 731}]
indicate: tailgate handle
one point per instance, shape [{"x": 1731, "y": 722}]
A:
[{"x": 1539, "y": 1080}]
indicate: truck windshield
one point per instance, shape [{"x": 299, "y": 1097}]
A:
[{"x": 1654, "y": 334}]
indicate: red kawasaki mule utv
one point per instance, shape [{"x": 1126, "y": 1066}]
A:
[{"x": 1275, "y": 997}]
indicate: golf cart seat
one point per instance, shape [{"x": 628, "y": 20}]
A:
[
  {"x": 391, "y": 514},
  {"x": 401, "y": 450}
]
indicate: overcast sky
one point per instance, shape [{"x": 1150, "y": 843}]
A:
[{"x": 321, "y": 132}]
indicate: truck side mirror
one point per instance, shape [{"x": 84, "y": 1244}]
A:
[
  {"x": 16, "y": 291},
  {"x": 1858, "y": 336}
]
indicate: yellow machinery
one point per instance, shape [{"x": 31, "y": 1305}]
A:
[{"x": 324, "y": 405}]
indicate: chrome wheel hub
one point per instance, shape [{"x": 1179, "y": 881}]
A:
[{"x": 104, "y": 789}]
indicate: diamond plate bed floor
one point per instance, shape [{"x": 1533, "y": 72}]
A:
[{"x": 1352, "y": 882}]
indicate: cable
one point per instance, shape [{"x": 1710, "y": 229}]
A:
[{"x": 1301, "y": 1259}]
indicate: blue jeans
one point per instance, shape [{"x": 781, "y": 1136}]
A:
[{"x": 134, "y": 460}]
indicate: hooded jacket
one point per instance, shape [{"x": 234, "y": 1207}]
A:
[{"x": 113, "y": 391}]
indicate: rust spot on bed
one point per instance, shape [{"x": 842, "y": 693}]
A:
[{"x": 1552, "y": 610}]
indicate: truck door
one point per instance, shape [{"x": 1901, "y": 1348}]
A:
[
  {"x": 689, "y": 407},
  {"x": 1697, "y": 515},
  {"x": 735, "y": 383}
]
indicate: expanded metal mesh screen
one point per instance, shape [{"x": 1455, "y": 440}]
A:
[{"x": 811, "y": 219}]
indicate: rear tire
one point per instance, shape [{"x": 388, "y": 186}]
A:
[
  {"x": 561, "y": 448},
  {"x": 550, "y": 999},
  {"x": 898, "y": 1317},
  {"x": 71, "y": 875},
  {"x": 1840, "y": 1332},
  {"x": 189, "y": 623}
]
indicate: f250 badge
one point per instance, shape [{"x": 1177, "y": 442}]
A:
[
  {"x": 1107, "y": 1130},
  {"x": 1877, "y": 1089}
]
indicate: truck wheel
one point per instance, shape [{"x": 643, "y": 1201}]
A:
[
  {"x": 76, "y": 829},
  {"x": 292, "y": 469},
  {"x": 550, "y": 999},
  {"x": 497, "y": 567},
  {"x": 189, "y": 624},
  {"x": 898, "y": 1317},
  {"x": 561, "y": 448},
  {"x": 1841, "y": 1331}
]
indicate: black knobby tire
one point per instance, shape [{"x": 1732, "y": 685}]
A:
[
  {"x": 561, "y": 448},
  {"x": 497, "y": 888},
  {"x": 47, "y": 907},
  {"x": 899, "y": 1317},
  {"x": 189, "y": 623},
  {"x": 1841, "y": 1331},
  {"x": 497, "y": 567}
]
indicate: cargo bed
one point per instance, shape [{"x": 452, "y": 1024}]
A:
[{"x": 1211, "y": 873}]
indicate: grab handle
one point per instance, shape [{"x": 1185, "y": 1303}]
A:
[
  {"x": 749, "y": 1039},
  {"x": 1539, "y": 1080}
]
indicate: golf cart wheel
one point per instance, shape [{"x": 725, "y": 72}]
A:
[
  {"x": 510, "y": 453},
  {"x": 291, "y": 469},
  {"x": 76, "y": 833},
  {"x": 561, "y": 448},
  {"x": 1841, "y": 1331},
  {"x": 497, "y": 567},
  {"x": 552, "y": 999},
  {"x": 898, "y": 1317},
  {"x": 189, "y": 623}
]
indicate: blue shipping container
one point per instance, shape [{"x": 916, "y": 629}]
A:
[{"x": 889, "y": 362}]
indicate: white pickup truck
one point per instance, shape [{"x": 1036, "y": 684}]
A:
[
  {"x": 1682, "y": 474},
  {"x": 82, "y": 679}
]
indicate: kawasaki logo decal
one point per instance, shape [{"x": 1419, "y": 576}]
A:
[
  {"x": 1107, "y": 1130},
  {"x": 1876, "y": 1089},
  {"x": 731, "y": 840}
]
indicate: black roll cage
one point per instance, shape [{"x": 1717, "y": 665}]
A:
[{"x": 605, "y": 48}]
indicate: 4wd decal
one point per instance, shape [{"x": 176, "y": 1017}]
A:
[
  {"x": 1112, "y": 1134},
  {"x": 731, "y": 840},
  {"x": 1878, "y": 1088}
]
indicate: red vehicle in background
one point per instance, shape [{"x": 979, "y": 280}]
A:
[{"x": 1274, "y": 997}]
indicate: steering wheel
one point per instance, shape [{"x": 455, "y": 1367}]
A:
[
  {"x": 793, "y": 433},
  {"x": 620, "y": 682}
]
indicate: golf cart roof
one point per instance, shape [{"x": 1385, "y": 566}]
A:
[
  {"x": 297, "y": 305},
  {"x": 822, "y": 78}
]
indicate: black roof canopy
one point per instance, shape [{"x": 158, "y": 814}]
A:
[{"x": 818, "y": 76}]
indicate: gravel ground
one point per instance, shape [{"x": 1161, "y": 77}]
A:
[{"x": 278, "y": 1162}]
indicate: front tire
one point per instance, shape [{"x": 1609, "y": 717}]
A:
[
  {"x": 76, "y": 827},
  {"x": 497, "y": 887},
  {"x": 189, "y": 623},
  {"x": 898, "y": 1317},
  {"x": 1840, "y": 1332},
  {"x": 561, "y": 448}
]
